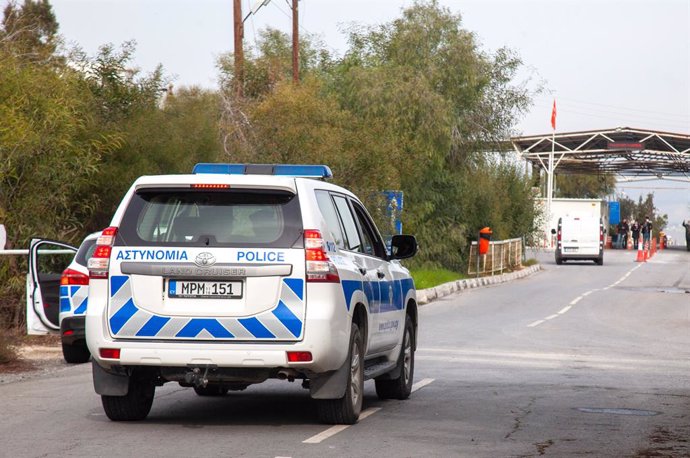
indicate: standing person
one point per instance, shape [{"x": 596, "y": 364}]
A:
[
  {"x": 625, "y": 228},
  {"x": 646, "y": 230},
  {"x": 635, "y": 228},
  {"x": 686, "y": 225}
]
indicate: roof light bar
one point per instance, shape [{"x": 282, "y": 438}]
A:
[{"x": 291, "y": 170}]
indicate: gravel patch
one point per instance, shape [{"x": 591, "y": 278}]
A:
[{"x": 35, "y": 360}]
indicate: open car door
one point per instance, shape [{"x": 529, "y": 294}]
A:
[{"x": 47, "y": 260}]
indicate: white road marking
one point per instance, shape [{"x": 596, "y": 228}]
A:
[
  {"x": 579, "y": 298},
  {"x": 333, "y": 430},
  {"x": 421, "y": 384}
]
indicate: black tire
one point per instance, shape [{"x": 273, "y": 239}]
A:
[
  {"x": 559, "y": 261},
  {"x": 133, "y": 406},
  {"x": 76, "y": 353},
  {"x": 599, "y": 261},
  {"x": 211, "y": 390},
  {"x": 401, "y": 387},
  {"x": 346, "y": 410}
]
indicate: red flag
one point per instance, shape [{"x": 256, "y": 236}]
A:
[{"x": 553, "y": 115}]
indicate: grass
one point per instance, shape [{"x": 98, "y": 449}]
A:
[
  {"x": 529, "y": 262},
  {"x": 428, "y": 278}
]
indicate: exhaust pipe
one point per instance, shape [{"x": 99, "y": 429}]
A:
[{"x": 287, "y": 374}]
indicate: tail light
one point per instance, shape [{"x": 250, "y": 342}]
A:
[
  {"x": 73, "y": 277},
  {"x": 319, "y": 267},
  {"x": 109, "y": 353},
  {"x": 100, "y": 261},
  {"x": 299, "y": 356}
]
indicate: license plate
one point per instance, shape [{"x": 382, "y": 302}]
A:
[
  {"x": 205, "y": 289},
  {"x": 569, "y": 250}
]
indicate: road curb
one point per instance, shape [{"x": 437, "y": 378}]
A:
[{"x": 424, "y": 296}]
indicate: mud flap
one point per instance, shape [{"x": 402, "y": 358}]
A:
[
  {"x": 109, "y": 384},
  {"x": 331, "y": 385}
]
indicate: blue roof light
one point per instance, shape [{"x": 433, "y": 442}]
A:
[{"x": 291, "y": 170}]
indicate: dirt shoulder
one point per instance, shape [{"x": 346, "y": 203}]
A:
[{"x": 36, "y": 356}]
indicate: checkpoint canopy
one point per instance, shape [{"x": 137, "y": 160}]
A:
[
  {"x": 630, "y": 154},
  {"x": 627, "y": 153}
]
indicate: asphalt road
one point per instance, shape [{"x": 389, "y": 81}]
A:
[{"x": 575, "y": 360}]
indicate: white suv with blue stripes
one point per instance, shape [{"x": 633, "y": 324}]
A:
[{"x": 236, "y": 274}]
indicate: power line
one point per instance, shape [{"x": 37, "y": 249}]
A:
[
  {"x": 618, "y": 109},
  {"x": 630, "y": 117},
  {"x": 627, "y": 108}
]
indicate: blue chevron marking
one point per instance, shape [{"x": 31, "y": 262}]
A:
[
  {"x": 123, "y": 315},
  {"x": 289, "y": 320},
  {"x": 256, "y": 328},
  {"x": 152, "y": 326},
  {"x": 196, "y": 325}
]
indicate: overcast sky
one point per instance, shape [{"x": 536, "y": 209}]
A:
[{"x": 607, "y": 63}]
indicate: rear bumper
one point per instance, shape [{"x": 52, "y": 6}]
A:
[
  {"x": 580, "y": 255},
  {"x": 326, "y": 336},
  {"x": 325, "y": 356},
  {"x": 73, "y": 329}
]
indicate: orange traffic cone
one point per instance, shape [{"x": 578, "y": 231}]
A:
[
  {"x": 640, "y": 253},
  {"x": 646, "y": 251}
]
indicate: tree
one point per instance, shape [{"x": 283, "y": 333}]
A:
[
  {"x": 637, "y": 211},
  {"x": 584, "y": 186},
  {"x": 29, "y": 32},
  {"x": 447, "y": 106},
  {"x": 270, "y": 62}
]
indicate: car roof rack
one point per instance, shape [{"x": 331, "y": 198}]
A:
[{"x": 292, "y": 170}]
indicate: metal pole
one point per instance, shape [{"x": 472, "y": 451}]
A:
[
  {"x": 477, "y": 255},
  {"x": 549, "y": 186}
]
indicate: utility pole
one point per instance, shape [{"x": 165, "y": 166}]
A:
[
  {"x": 239, "y": 52},
  {"x": 295, "y": 42}
]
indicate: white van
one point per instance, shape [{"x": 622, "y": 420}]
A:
[{"x": 580, "y": 238}]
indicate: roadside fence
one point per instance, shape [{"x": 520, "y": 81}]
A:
[{"x": 502, "y": 255}]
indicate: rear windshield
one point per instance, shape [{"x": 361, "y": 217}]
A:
[
  {"x": 85, "y": 251},
  {"x": 229, "y": 217}
]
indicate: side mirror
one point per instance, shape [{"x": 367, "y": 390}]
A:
[
  {"x": 403, "y": 246},
  {"x": 553, "y": 231}
]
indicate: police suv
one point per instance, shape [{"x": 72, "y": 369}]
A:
[
  {"x": 57, "y": 293},
  {"x": 236, "y": 274}
]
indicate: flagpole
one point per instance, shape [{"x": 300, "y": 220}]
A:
[{"x": 549, "y": 174}]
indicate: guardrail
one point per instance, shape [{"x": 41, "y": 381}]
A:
[{"x": 502, "y": 255}]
